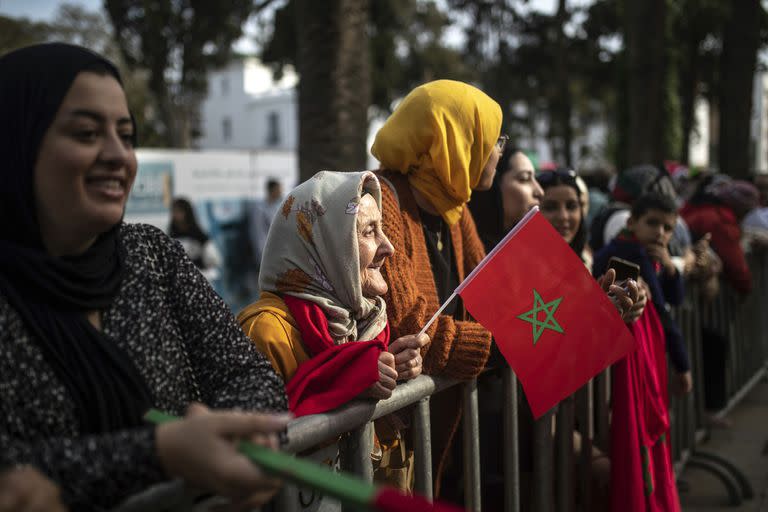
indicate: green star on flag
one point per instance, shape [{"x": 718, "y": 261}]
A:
[
  {"x": 549, "y": 322},
  {"x": 499, "y": 289}
]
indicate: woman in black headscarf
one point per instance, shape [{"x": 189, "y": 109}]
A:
[
  {"x": 101, "y": 320},
  {"x": 185, "y": 229}
]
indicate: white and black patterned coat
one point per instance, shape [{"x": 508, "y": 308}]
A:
[{"x": 185, "y": 343}]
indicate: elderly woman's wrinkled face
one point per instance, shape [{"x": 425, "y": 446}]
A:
[
  {"x": 85, "y": 166},
  {"x": 373, "y": 247}
]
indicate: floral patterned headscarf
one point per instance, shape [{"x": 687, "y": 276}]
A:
[{"x": 312, "y": 253}]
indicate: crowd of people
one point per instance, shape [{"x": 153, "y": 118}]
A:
[{"x": 101, "y": 320}]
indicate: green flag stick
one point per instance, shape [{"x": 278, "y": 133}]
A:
[{"x": 347, "y": 489}]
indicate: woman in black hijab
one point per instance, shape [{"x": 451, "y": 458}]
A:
[
  {"x": 198, "y": 246},
  {"x": 101, "y": 320}
]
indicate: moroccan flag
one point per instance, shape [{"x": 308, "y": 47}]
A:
[{"x": 552, "y": 322}]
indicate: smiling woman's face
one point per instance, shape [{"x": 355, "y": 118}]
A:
[
  {"x": 562, "y": 209},
  {"x": 373, "y": 247},
  {"x": 85, "y": 166}
]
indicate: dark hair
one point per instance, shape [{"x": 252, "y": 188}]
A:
[
  {"x": 502, "y": 166},
  {"x": 272, "y": 184},
  {"x": 653, "y": 201},
  {"x": 191, "y": 228},
  {"x": 558, "y": 176},
  {"x": 567, "y": 177},
  {"x": 643, "y": 179},
  {"x": 486, "y": 206}
]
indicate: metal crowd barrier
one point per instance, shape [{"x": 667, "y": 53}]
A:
[
  {"x": 743, "y": 322},
  {"x": 559, "y": 478}
]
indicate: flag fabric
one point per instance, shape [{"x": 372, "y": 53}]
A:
[{"x": 552, "y": 322}]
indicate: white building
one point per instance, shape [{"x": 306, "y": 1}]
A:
[{"x": 247, "y": 109}]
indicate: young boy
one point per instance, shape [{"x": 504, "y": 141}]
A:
[{"x": 640, "y": 417}]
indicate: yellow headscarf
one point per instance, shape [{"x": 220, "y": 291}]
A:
[{"x": 441, "y": 136}]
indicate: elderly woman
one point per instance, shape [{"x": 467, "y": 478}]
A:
[
  {"x": 102, "y": 320},
  {"x": 321, "y": 318},
  {"x": 321, "y": 288}
]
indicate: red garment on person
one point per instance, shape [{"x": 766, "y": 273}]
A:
[
  {"x": 335, "y": 374},
  {"x": 642, "y": 477},
  {"x": 723, "y": 226},
  {"x": 392, "y": 500}
]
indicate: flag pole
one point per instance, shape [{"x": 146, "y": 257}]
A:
[
  {"x": 437, "y": 313},
  {"x": 480, "y": 265}
]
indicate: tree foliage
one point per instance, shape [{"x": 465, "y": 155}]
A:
[
  {"x": 549, "y": 73},
  {"x": 405, "y": 41},
  {"x": 399, "y": 45},
  {"x": 334, "y": 86},
  {"x": 177, "y": 42},
  {"x": 76, "y": 25},
  {"x": 743, "y": 29}
]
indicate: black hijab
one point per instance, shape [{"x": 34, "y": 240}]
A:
[
  {"x": 53, "y": 294},
  {"x": 189, "y": 228},
  {"x": 487, "y": 206}
]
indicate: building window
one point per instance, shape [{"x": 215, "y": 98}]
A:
[
  {"x": 226, "y": 129},
  {"x": 224, "y": 86},
  {"x": 273, "y": 129}
]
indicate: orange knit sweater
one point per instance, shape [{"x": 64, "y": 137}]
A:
[{"x": 458, "y": 349}]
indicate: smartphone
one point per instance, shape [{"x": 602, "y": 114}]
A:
[{"x": 624, "y": 269}]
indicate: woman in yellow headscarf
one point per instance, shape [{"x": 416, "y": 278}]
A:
[{"x": 441, "y": 143}]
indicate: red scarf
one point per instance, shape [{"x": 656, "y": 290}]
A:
[
  {"x": 334, "y": 374},
  {"x": 642, "y": 478}
]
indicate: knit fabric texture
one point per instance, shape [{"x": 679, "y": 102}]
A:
[
  {"x": 458, "y": 349},
  {"x": 185, "y": 343}
]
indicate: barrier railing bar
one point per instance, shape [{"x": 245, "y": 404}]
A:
[
  {"x": 564, "y": 455},
  {"x": 471, "y": 448},
  {"x": 586, "y": 424},
  {"x": 510, "y": 443},
  {"x": 306, "y": 432},
  {"x": 542, "y": 463},
  {"x": 602, "y": 426},
  {"x": 741, "y": 393},
  {"x": 422, "y": 438}
]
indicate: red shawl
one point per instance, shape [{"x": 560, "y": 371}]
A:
[
  {"x": 334, "y": 374},
  {"x": 642, "y": 478}
]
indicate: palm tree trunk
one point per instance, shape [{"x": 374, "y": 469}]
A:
[
  {"x": 646, "y": 77},
  {"x": 564, "y": 102},
  {"x": 334, "y": 88},
  {"x": 741, "y": 40}
]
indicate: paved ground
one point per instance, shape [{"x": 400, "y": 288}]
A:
[{"x": 745, "y": 444}]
